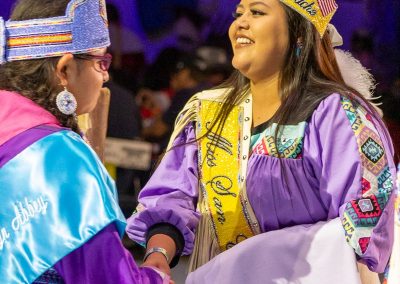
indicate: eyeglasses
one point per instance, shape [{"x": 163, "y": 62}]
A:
[{"x": 103, "y": 60}]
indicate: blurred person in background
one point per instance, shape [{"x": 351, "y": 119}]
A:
[
  {"x": 127, "y": 50},
  {"x": 188, "y": 78},
  {"x": 124, "y": 122}
]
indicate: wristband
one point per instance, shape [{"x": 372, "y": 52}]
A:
[{"x": 156, "y": 249}]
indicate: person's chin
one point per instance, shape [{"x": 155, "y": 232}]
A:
[
  {"x": 85, "y": 110},
  {"x": 242, "y": 68}
]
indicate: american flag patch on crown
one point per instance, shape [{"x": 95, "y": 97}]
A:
[{"x": 327, "y": 6}]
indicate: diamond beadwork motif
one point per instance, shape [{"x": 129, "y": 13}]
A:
[
  {"x": 372, "y": 150},
  {"x": 365, "y": 205}
]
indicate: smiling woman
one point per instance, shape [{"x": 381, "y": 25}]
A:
[
  {"x": 259, "y": 37},
  {"x": 308, "y": 160}
]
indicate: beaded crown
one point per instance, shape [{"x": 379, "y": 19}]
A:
[
  {"x": 83, "y": 28},
  {"x": 318, "y": 12}
]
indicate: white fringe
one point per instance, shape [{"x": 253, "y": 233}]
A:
[{"x": 357, "y": 76}]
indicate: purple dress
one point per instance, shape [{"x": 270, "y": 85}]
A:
[{"x": 338, "y": 163}]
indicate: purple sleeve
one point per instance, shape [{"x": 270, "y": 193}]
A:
[
  {"x": 103, "y": 259},
  {"x": 171, "y": 194},
  {"x": 350, "y": 154}
]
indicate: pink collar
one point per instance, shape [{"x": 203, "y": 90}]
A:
[{"x": 18, "y": 114}]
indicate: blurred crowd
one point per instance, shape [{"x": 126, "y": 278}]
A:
[{"x": 148, "y": 95}]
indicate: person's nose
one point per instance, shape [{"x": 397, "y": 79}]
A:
[{"x": 243, "y": 21}]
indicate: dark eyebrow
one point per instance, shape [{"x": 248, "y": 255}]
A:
[
  {"x": 259, "y": 3},
  {"x": 253, "y": 4}
]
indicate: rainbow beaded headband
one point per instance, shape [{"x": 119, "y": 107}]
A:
[
  {"x": 82, "y": 29},
  {"x": 318, "y": 12}
]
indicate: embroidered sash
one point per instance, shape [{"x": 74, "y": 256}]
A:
[{"x": 220, "y": 163}]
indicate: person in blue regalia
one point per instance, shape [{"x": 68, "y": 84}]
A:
[{"x": 59, "y": 217}]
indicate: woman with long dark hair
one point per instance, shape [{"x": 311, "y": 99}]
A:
[
  {"x": 59, "y": 217},
  {"x": 286, "y": 142}
]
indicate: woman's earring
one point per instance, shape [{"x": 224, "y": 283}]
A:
[
  {"x": 66, "y": 102},
  {"x": 299, "y": 47}
]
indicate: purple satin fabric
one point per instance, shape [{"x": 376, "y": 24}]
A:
[{"x": 103, "y": 259}]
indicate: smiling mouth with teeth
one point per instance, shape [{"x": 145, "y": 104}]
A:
[{"x": 243, "y": 40}]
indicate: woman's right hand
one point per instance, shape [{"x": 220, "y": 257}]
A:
[{"x": 158, "y": 261}]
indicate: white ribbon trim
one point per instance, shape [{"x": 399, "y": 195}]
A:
[{"x": 336, "y": 38}]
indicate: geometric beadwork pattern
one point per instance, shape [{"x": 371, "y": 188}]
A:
[
  {"x": 362, "y": 214},
  {"x": 385, "y": 181},
  {"x": 33, "y": 40},
  {"x": 363, "y": 242},
  {"x": 352, "y": 115},
  {"x": 370, "y": 182},
  {"x": 289, "y": 143},
  {"x": 365, "y": 205},
  {"x": 366, "y": 185},
  {"x": 372, "y": 151}
]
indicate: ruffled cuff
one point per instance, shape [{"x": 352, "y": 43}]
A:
[{"x": 140, "y": 223}]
